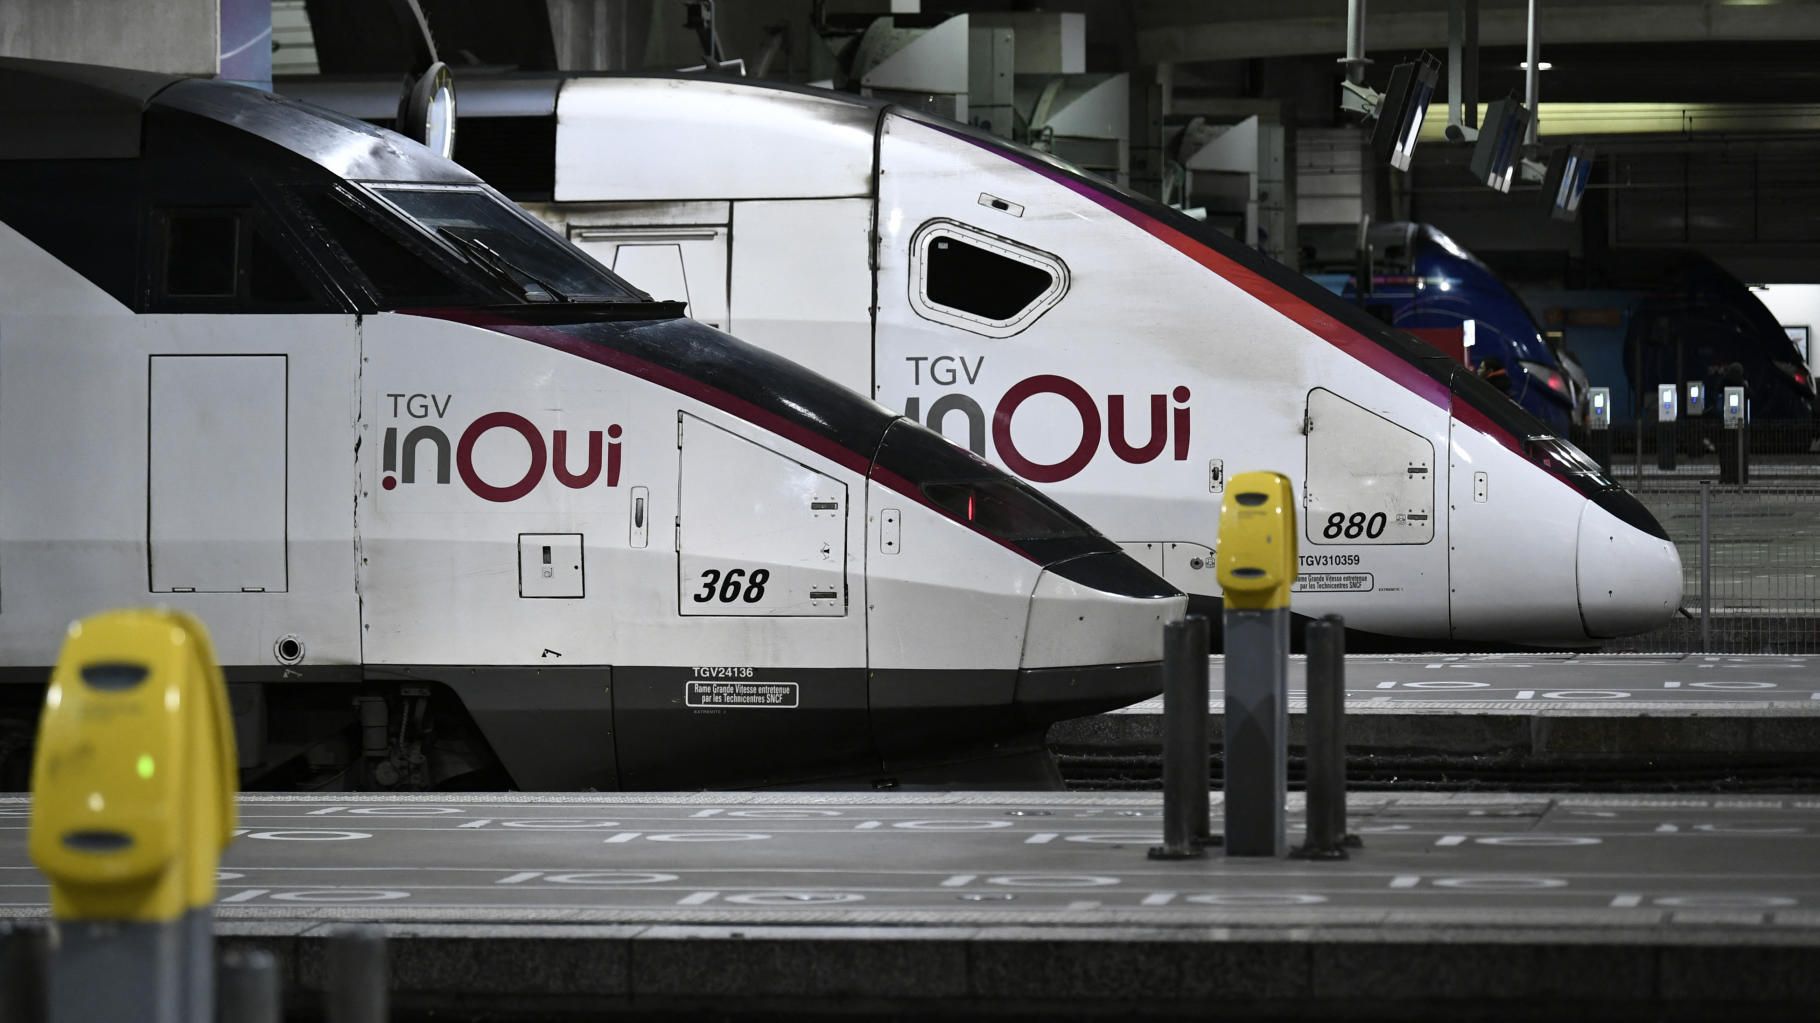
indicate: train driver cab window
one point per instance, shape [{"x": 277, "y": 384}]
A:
[
  {"x": 223, "y": 260},
  {"x": 981, "y": 282}
]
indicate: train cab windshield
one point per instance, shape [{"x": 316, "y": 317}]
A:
[{"x": 498, "y": 241}]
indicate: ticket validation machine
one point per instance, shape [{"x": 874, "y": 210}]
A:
[
  {"x": 1734, "y": 447},
  {"x": 1668, "y": 400},
  {"x": 133, "y": 788},
  {"x": 1598, "y": 420},
  {"x": 1256, "y": 565},
  {"x": 1696, "y": 399}
]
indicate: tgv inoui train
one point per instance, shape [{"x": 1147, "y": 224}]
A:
[
  {"x": 447, "y": 493},
  {"x": 1119, "y": 355}
]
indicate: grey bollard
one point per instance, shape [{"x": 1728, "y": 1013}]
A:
[
  {"x": 1257, "y": 731},
  {"x": 1187, "y": 807},
  {"x": 1326, "y": 837},
  {"x": 247, "y": 987},
  {"x": 24, "y": 968},
  {"x": 357, "y": 975}
]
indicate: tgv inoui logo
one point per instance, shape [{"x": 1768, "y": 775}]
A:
[
  {"x": 400, "y": 454},
  {"x": 1169, "y": 427}
]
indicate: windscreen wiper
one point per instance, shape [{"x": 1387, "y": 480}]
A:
[{"x": 490, "y": 259}]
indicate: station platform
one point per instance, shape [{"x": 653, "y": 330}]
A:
[
  {"x": 1017, "y": 904},
  {"x": 1523, "y": 721}
]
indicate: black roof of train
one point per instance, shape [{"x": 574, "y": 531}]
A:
[{"x": 51, "y": 110}]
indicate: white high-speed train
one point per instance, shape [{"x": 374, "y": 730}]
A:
[
  {"x": 1122, "y": 357},
  {"x": 450, "y": 497}
]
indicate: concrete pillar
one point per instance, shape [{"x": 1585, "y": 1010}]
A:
[{"x": 171, "y": 36}]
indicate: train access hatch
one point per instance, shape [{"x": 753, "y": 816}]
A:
[{"x": 758, "y": 534}]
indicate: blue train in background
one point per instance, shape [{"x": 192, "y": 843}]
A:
[{"x": 1424, "y": 282}]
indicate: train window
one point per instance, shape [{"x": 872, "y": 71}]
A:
[
  {"x": 507, "y": 245},
  {"x": 271, "y": 279},
  {"x": 397, "y": 275},
  {"x": 224, "y": 260},
  {"x": 981, "y": 282},
  {"x": 201, "y": 254},
  {"x": 1369, "y": 481}
]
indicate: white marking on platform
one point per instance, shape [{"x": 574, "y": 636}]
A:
[
  {"x": 520, "y": 877},
  {"x": 1673, "y": 685},
  {"x": 1537, "y": 841},
  {"x": 1158, "y": 899},
  {"x": 867, "y": 825},
  {"x": 1083, "y": 906},
  {"x": 1499, "y": 883},
  {"x": 308, "y": 836},
  {"x": 958, "y": 880},
  {"x": 1626, "y": 901},
  {"x": 246, "y": 896},
  {"x": 1405, "y": 881},
  {"x": 325, "y": 811},
  {"x": 332, "y": 895},
  {"x": 1527, "y": 694},
  {"x": 1042, "y": 838},
  {"x": 621, "y": 838},
  {"x": 481, "y": 823},
  {"x": 1451, "y": 840},
  {"x": 697, "y": 898}
]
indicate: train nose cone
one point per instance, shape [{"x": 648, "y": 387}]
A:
[
  {"x": 1629, "y": 571},
  {"x": 1095, "y": 637}
]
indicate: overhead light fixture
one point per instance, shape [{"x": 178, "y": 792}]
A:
[{"x": 1541, "y": 65}]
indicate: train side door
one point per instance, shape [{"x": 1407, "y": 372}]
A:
[
  {"x": 778, "y": 683},
  {"x": 1369, "y": 485}
]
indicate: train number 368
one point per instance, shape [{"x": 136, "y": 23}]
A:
[
  {"x": 735, "y": 586},
  {"x": 1353, "y": 526}
]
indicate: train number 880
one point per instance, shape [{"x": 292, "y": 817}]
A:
[{"x": 1353, "y": 526}]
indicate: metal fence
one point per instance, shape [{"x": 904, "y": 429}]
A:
[{"x": 1750, "y": 558}]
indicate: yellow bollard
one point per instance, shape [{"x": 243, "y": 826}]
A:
[
  {"x": 1256, "y": 565},
  {"x": 133, "y": 789}
]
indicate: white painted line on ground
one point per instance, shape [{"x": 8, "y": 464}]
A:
[
  {"x": 868, "y": 825},
  {"x": 1671, "y": 685},
  {"x": 1158, "y": 899},
  {"x": 520, "y": 877},
  {"x": 621, "y": 838},
  {"x": 959, "y": 880},
  {"x": 325, "y": 810},
  {"x": 481, "y": 823},
  {"x": 1082, "y": 906},
  {"x": 246, "y": 896},
  {"x": 1451, "y": 840},
  {"x": 697, "y": 898},
  {"x": 1387, "y": 685},
  {"x": 1626, "y": 901},
  {"x": 1527, "y": 694},
  {"x": 1042, "y": 838},
  {"x": 1405, "y": 881}
]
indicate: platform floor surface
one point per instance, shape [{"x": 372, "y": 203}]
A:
[
  {"x": 1540, "y": 684},
  {"x": 1627, "y": 901}
]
